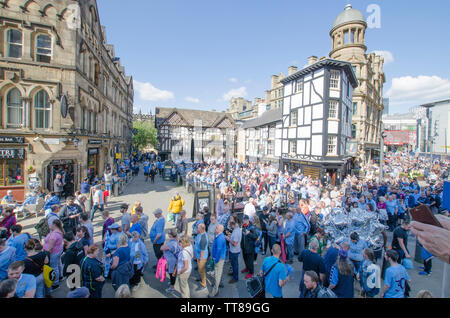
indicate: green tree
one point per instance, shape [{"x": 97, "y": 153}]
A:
[{"x": 146, "y": 134}]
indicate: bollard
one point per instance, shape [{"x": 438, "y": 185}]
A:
[{"x": 116, "y": 189}]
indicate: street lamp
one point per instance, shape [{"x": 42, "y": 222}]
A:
[{"x": 383, "y": 135}]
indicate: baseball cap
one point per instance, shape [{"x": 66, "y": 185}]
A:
[{"x": 114, "y": 226}]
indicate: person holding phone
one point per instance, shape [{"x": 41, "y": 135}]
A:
[{"x": 434, "y": 239}]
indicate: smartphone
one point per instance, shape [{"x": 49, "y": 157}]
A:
[{"x": 424, "y": 215}]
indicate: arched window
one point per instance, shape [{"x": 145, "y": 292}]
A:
[
  {"x": 353, "y": 131},
  {"x": 43, "y": 48},
  {"x": 14, "y": 109},
  {"x": 42, "y": 110},
  {"x": 14, "y": 43}
]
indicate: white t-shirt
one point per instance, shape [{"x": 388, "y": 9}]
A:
[
  {"x": 186, "y": 254},
  {"x": 98, "y": 197},
  {"x": 249, "y": 210}
]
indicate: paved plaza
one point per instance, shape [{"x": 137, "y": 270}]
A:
[{"x": 158, "y": 195}]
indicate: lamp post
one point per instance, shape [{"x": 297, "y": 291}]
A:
[{"x": 383, "y": 135}]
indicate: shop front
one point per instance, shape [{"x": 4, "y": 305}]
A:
[
  {"x": 317, "y": 170},
  {"x": 12, "y": 172},
  {"x": 92, "y": 162},
  {"x": 65, "y": 168}
]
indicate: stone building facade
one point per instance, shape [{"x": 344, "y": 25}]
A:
[
  {"x": 348, "y": 44},
  {"x": 241, "y": 109},
  {"x": 66, "y": 101}
]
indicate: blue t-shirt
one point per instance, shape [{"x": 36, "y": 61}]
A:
[
  {"x": 158, "y": 228},
  {"x": 123, "y": 253},
  {"x": 136, "y": 228},
  {"x": 26, "y": 283},
  {"x": 290, "y": 228},
  {"x": 356, "y": 249},
  {"x": 390, "y": 206},
  {"x": 273, "y": 278},
  {"x": 6, "y": 259},
  {"x": 18, "y": 243},
  {"x": 395, "y": 278}
]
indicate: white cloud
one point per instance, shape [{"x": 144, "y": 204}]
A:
[
  {"x": 388, "y": 56},
  {"x": 233, "y": 80},
  {"x": 414, "y": 91},
  {"x": 192, "y": 99},
  {"x": 149, "y": 92},
  {"x": 236, "y": 92}
]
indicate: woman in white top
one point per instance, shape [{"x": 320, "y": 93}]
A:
[{"x": 184, "y": 266}]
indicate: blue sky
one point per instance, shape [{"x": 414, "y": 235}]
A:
[{"x": 198, "y": 53}]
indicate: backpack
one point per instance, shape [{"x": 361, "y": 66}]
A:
[
  {"x": 42, "y": 227},
  {"x": 314, "y": 219},
  {"x": 256, "y": 285}
]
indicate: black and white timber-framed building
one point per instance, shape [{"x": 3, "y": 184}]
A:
[
  {"x": 194, "y": 135},
  {"x": 317, "y": 119}
]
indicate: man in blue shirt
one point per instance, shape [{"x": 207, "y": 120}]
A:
[
  {"x": 18, "y": 240},
  {"x": 7, "y": 255},
  {"x": 146, "y": 170},
  {"x": 136, "y": 227},
  {"x": 395, "y": 278},
  {"x": 219, "y": 253},
  {"x": 26, "y": 285},
  {"x": 277, "y": 277},
  {"x": 157, "y": 234},
  {"x": 392, "y": 211},
  {"x": 302, "y": 228}
]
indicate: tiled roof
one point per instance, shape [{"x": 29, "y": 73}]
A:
[
  {"x": 267, "y": 117},
  {"x": 208, "y": 118}
]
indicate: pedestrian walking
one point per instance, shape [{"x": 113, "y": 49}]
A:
[
  {"x": 184, "y": 266},
  {"x": 157, "y": 234}
]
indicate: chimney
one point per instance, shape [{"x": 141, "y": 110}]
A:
[
  {"x": 292, "y": 70},
  {"x": 274, "y": 81},
  {"x": 312, "y": 60}
]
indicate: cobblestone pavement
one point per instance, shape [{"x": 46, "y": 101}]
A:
[{"x": 158, "y": 195}]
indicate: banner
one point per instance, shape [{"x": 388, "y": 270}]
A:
[{"x": 446, "y": 197}]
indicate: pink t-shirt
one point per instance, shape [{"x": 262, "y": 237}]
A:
[{"x": 58, "y": 238}]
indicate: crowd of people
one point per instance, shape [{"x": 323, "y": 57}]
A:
[{"x": 259, "y": 211}]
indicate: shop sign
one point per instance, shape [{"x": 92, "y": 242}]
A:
[
  {"x": 95, "y": 142},
  {"x": 61, "y": 162},
  {"x": 12, "y": 140},
  {"x": 118, "y": 156},
  {"x": 352, "y": 148},
  {"x": 93, "y": 151},
  {"x": 51, "y": 141},
  {"x": 64, "y": 106},
  {"x": 305, "y": 163},
  {"x": 12, "y": 153}
]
